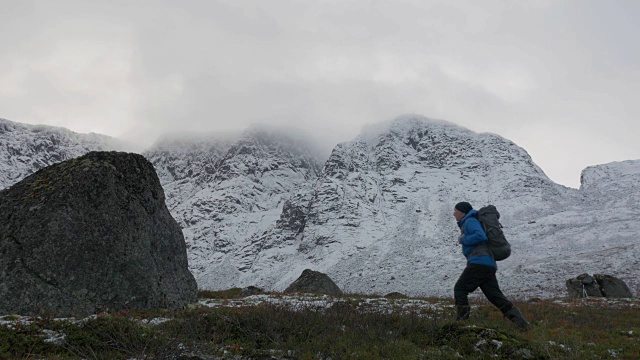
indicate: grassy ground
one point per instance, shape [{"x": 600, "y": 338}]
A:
[{"x": 350, "y": 327}]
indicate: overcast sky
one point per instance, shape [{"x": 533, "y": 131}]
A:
[{"x": 559, "y": 78}]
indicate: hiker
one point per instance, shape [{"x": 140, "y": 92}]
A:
[{"x": 480, "y": 270}]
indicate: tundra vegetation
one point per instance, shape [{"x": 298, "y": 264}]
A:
[{"x": 226, "y": 324}]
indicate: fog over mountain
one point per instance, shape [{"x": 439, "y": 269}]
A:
[
  {"x": 559, "y": 78},
  {"x": 258, "y": 207}
]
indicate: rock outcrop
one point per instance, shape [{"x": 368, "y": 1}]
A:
[
  {"x": 88, "y": 235},
  {"x": 599, "y": 285},
  {"x": 314, "y": 281}
]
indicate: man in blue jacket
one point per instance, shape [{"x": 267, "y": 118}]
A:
[{"x": 481, "y": 268}]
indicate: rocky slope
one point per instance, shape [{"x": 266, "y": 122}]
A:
[
  {"x": 187, "y": 164},
  {"x": 233, "y": 189}
]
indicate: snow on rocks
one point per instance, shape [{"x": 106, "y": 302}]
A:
[{"x": 322, "y": 302}]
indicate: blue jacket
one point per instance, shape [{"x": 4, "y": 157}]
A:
[{"x": 474, "y": 241}]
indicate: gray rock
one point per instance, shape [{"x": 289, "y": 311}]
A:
[
  {"x": 598, "y": 285},
  {"x": 91, "y": 234},
  {"x": 314, "y": 281},
  {"x": 586, "y": 279},
  {"x": 613, "y": 287},
  {"x": 252, "y": 290},
  {"x": 395, "y": 295},
  {"x": 583, "y": 285}
]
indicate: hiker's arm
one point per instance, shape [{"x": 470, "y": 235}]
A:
[{"x": 473, "y": 233}]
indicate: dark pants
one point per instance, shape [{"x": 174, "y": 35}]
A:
[{"x": 484, "y": 277}]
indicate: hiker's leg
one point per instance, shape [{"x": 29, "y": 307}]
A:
[
  {"x": 492, "y": 291},
  {"x": 516, "y": 317},
  {"x": 465, "y": 285}
]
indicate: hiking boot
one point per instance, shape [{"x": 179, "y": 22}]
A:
[
  {"x": 516, "y": 317},
  {"x": 462, "y": 312}
]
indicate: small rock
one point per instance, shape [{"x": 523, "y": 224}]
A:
[
  {"x": 314, "y": 281},
  {"x": 252, "y": 290},
  {"x": 395, "y": 295}
]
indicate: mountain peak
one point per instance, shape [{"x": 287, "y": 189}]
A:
[{"x": 407, "y": 125}]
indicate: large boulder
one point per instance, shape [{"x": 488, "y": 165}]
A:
[
  {"x": 88, "y": 235},
  {"x": 315, "y": 282},
  {"x": 599, "y": 285}
]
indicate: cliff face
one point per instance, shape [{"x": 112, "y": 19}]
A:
[{"x": 91, "y": 234}]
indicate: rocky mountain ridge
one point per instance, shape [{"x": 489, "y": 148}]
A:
[
  {"x": 257, "y": 208},
  {"x": 25, "y": 149},
  {"x": 381, "y": 210},
  {"x": 250, "y": 178}
]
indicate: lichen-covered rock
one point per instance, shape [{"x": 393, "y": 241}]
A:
[
  {"x": 314, "y": 281},
  {"x": 91, "y": 234}
]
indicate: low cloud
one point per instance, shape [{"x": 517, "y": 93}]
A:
[{"x": 557, "y": 77}]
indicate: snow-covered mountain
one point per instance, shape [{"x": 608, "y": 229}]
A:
[
  {"x": 595, "y": 233},
  {"x": 186, "y": 164},
  {"x": 24, "y": 149},
  {"x": 225, "y": 190},
  {"x": 258, "y": 207},
  {"x": 379, "y": 218}
]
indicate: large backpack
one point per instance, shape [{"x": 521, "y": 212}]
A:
[{"x": 498, "y": 244}]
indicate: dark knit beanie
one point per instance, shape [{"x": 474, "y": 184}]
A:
[{"x": 464, "y": 207}]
